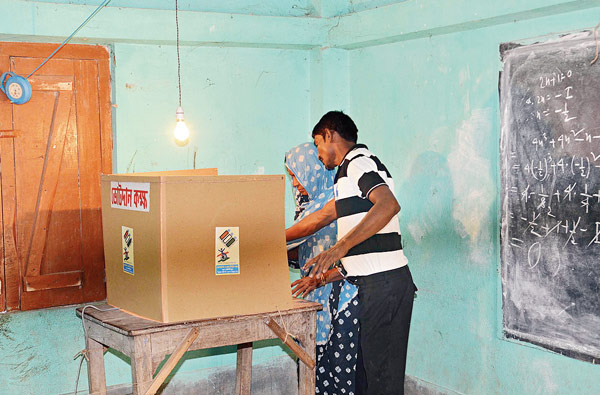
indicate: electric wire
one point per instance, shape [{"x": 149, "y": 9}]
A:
[
  {"x": 83, "y": 353},
  {"x": 178, "y": 60},
  {"x": 71, "y": 36}
]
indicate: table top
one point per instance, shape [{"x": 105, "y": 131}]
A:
[{"x": 128, "y": 324}]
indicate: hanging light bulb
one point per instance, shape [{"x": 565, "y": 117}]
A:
[{"x": 181, "y": 132}]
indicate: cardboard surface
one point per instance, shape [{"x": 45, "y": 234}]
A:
[
  {"x": 176, "y": 246},
  {"x": 141, "y": 292}
]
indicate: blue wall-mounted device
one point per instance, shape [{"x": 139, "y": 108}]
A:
[{"x": 16, "y": 88}]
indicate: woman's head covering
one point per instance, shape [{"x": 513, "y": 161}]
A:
[{"x": 303, "y": 161}]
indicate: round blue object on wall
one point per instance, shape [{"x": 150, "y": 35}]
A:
[{"x": 16, "y": 88}]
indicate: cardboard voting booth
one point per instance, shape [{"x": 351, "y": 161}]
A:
[{"x": 187, "y": 245}]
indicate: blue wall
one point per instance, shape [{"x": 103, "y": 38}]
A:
[
  {"x": 428, "y": 105},
  {"x": 420, "y": 78},
  {"x": 238, "y": 102}
]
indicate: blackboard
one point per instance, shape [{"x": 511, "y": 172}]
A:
[{"x": 550, "y": 169}]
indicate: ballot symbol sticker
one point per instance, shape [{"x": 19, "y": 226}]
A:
[
  {"x": 227, "y": 250},
  {"x": 127, "y": 249}
]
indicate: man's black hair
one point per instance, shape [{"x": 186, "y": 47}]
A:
[{"x": 339, "y": 122}]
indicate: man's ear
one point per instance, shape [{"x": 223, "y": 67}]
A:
[{"x": 328, "y": 136}]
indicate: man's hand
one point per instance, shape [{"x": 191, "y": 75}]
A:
[
  {"x": 385, "y": 206},
  {"x": 325, "y": 260},
  {"x": 302, "y": 287}
]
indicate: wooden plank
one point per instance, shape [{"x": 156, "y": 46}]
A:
[
  {"x": 306, "y": 374},
  {"x": 107, "y": 336},
  {"x": 243, "y": 370},
  {"x": 219, "y": 333},
  {"x": 55, "y": 67},
  {"x": 106, "y": 132},
  {"x": 69, "y": 51},
  {"x": 2, "y": 276},
  {"x": 6, "y": 125},
  {"x": 132, "y": 325},
  {"x": 90, "y": 167},
  {"x": 2, "y": 293},
  {"x": 141, "y": 364},
  {"x": 52, "y": 281},
  {"x": 51, "y": 83},
  {"x": 12, "y": 268},
  {"x": 289, "y": 341},
  {"x": 9, "y": 133},
  {"x": 183, "y": 346},
  {"x": 5, "y": 104},
  {"x": 50, "y": 172},
  {"x": 96, "y": 372}
]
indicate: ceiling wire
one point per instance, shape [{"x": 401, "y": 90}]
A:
[{"x": 178, "y": 60}]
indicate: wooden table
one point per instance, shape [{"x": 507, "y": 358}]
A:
[{"x": 147, "y": 342}]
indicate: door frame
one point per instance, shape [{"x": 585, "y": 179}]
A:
[{"x": 11, "y": 275}]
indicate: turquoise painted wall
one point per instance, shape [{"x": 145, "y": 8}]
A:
[
  {"x": 264, "y": 7},
  {"x": 420, "y": 80},
  {"x": 428, "y": 106},
  {"x": 239, "y": 103}
]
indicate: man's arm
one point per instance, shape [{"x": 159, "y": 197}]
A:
[
  {"x": 385, "y": 206},
  {"x": 312, "y": 222}
]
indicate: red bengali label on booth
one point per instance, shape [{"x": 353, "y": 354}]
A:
[{"x": 130, "y": 195}]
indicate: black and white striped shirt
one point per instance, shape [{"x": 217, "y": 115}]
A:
[{"x": 359, "y": 173}]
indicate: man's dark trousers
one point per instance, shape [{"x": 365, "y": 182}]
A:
[{"x": 385, "y": 308}]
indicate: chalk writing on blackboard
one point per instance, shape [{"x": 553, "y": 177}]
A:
[{"x": 550, "y": 152}]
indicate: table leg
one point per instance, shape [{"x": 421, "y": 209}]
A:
[
  {"x": 243, "y": 371},
  {"x": 96, "y": 374},
  {"x": 141, "y": 364},
  {"x": 307, "y": 376}
]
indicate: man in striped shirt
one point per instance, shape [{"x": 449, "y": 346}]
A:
[{"x": 370, "y": 249}]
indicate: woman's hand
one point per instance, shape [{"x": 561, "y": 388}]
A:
[{"x": 302, "y": 287}]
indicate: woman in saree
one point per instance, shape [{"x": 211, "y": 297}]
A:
[{"x": 337, "y": 324}]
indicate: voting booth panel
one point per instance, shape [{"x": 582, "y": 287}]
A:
[{"x": 188, "y": 245}]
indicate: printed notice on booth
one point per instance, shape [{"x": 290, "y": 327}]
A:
[
  {"x": 127, "y": 249},
  {"x": 130, "y": 195},
  {"x": 227, "y": 250}
]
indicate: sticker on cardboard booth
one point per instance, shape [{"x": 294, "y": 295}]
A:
[
  {"x": 130, "y": 195},
  {"x": 127, "y": 244},
  {"x": 227, "y": 250}
]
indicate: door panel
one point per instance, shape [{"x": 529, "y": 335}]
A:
[
  {"x": 10, "y": 270},
  {"x": 53, "y": 193},
  {"x": 5, "y": 130},
  {"x": 89, "y": 147}
]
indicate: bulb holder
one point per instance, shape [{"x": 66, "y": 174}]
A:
[{"x": 179, "y": 114}]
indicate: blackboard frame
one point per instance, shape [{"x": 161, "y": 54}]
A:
[{"x": 576, "y": 351}]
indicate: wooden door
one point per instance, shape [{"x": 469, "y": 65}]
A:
[{"x": 52, "y": 152}]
